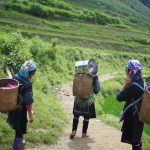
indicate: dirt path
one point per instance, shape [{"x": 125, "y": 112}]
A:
[{"x": 102, "y": 137}]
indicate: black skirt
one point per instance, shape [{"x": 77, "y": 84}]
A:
[
  {"x": 18, "y": 119},
  {"x": 132, "y": 128},
  {"x": 84, "y": 107}
]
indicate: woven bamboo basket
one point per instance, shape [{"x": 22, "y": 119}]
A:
[
  {"x": 82, "y": 85},
  {"x": 8, "y": 97},
  {"x": 145, "y": 107}
]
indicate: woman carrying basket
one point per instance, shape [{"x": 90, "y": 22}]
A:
[
  {"x": 84, "y": 107},
  {"x": 131, "y": 93},
  {"x": 18, "y": 118}
]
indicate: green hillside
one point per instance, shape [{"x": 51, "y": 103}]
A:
[{"x": 56, "y": 33}]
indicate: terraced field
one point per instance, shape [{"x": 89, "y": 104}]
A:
[{"x": 110, "y": 31}]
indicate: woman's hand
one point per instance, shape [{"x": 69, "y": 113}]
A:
[
  {"x": 30, "y": 116},
  {"x": 127, "y": 81}
]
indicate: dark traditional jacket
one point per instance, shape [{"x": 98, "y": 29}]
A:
[
  {"x": 85, "y": 106},
  {"x": 18, "y": 118},
  {"x": 132, "y": 128}
]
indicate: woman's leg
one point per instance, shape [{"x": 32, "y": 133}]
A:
[
  {"x": 85, "y": 126},
  {"x": 18, "y": 141},
  {"x": 75, "y": 123},
  {"x": 74, "y": 126},
  {"x": 137, "y": 146}
]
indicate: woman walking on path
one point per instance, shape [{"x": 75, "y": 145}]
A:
[
  {"x": 131, "y": 93},
  {"x": 84, "y": 107},
  {"x": 18, "y": 118}
]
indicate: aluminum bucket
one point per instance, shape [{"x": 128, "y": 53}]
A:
[{"x": 87, "y": 66}]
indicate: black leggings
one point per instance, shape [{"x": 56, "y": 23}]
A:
[
  {"x": 76, "y": 121},
  {"x": 18, "y": 135},
  {"x": 137, "y": 146}
]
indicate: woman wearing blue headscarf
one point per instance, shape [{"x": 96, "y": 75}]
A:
[
  {"x": 131, "y": 93},
  {"x": 18, "y": 118}
]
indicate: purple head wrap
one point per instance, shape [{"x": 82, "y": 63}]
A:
[{"x": 134, "y": 68}]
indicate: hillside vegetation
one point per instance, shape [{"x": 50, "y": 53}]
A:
[{"x": 56, "y": 33}]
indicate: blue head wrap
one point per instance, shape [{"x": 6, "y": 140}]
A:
[
  {"x": 27, "y": 67},
  {"x": 134, "y": 68}
]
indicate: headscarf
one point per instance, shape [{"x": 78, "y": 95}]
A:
[
  {"x": 27, "y": 67},
  {"x": 134, "y": 68}
]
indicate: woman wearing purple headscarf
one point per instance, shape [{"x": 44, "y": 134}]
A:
[
  {"x": 131, "y": 93},
  {"x": 18, "y": 119}
]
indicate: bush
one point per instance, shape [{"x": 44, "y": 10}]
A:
[
  {"x": 16, "y": 6},
  {"x": 138, "y": 40},
  {"x": 14, "y": 50},
  {"x": 60, "y": 10},
  {"x": 56, "y": 4},
  {"x": 37, "y": 9}
]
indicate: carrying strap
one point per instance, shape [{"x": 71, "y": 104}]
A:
[
  {"x": 132, "y": 104},
  {"x": 20, "y": 96},
  {"x": 145, "y": 85},
  {"x": 135, "y": 102}
]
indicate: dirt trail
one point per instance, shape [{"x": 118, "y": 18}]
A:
[{"x": 102, "y": 137}]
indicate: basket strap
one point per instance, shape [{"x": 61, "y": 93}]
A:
[
  {"x": 132, "y": 104},
  {"x": 139, "y": 86},
  {"x": 135, "y": 102},
  {"x": 20, "y": 97},
  {"x": 145, "y": 87}
]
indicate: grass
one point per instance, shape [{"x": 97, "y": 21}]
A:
[
  {"x": 49, "y": 121},
  {"x": 133, "y": 13},
  {"x": 60, "y": 10},
  {"x": 86, "y": 35}
]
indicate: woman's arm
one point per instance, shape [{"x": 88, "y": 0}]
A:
[
  {"x": 96, "y": 85},
  {"x": 30, "y": 113},
  {"x": 28, "y": 100},
  {"x": 126, "y": 93}
]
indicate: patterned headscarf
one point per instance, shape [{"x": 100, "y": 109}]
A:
[
  {"x": 27, "y": 67},
  {"x": 134, "y": 68}
]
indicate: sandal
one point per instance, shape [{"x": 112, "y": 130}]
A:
[
  {"x": 72, "y": 135},
  {"x": 85, "y": 135}
]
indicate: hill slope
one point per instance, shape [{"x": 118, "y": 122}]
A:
[
  {"x": 123, "y": 27},
  {"x": 56, "y": 33}
]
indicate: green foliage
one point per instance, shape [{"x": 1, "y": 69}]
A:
[
  {"x": 110, "y": 87},
  {"x": 14, "y": 50},
  {"x": 48, "y": 125},
  {"x": 55, "y": 3},
  {"x": 60, "y": 10},
  {"x": 138, "y": 40},
  {"x": 49, "y": 119}
]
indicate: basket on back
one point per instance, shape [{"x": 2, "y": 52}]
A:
[
  {"x": 8, "y": 96},
  {"x": 145, "y": 107},
  {"x": 82, "y": 85}
]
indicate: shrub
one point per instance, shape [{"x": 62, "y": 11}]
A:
[
  {"x": 60, "y": 10},
  {"x": 36, "y": 9},
  {"x": 14, "y": 50},
  {"x": 16, "y": 6},
  {"x": 56, "y": 4},
  {"x": 138, "y": 40}
]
